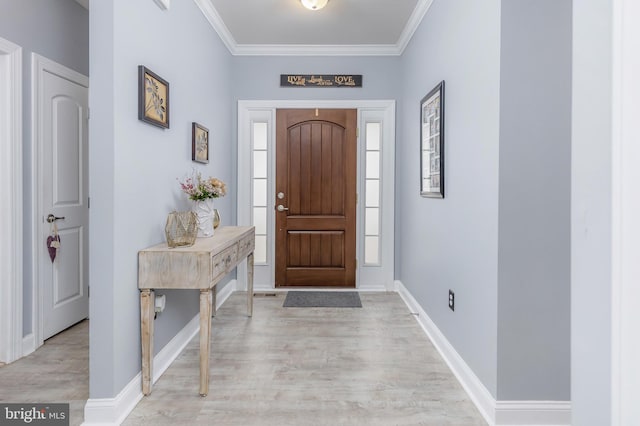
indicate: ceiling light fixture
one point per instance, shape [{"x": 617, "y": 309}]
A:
[{"x": 314, "y": 4}]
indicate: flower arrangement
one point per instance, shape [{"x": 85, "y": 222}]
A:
[{"x": 198, "y": 188}]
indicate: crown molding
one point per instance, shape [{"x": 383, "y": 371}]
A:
[
  {"x": 422, "y": 7},
  {"x": 316, "y": 50},
  {"x": 210, "y": 12},
  {"x": 218, "y": 24}
]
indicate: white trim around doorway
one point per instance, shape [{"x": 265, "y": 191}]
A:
[
  {"x": 379, "y": 110},
  {"x": 625, "y": 215},
  {"x": 11, "y": 225}
]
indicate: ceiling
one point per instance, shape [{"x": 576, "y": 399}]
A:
[
  {"x": 343, "y": 27},
  {"x": 285, "y": 27}
]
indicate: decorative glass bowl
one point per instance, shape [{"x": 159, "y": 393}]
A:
[{"x": 181, "y": 229}]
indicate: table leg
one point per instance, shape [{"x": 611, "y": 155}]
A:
[
  {"x": 205, "y": 339},
  {"x": 213, "y": 302},
  {"x": 250, "y": 284},
  {"x": 147, "y": 311}
]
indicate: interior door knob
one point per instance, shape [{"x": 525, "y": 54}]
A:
[
  {"x": 51, "y": 218},
  {"x": 281, "y": 208}
]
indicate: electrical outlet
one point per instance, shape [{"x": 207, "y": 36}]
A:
[{"x": 452, "y": 300}]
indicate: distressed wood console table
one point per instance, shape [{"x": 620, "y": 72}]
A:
[{"x": 200, "y": 266}]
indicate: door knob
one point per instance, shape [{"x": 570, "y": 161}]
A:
[
  {"x": 281, "y": 208},
  {"x": 51, "y": 218}
]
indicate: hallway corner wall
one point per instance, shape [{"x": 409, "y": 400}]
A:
[
  {"x": 452, "y": 243},
  {"x": 534, "y": 243},
  {"x": 135, "y": 166}
]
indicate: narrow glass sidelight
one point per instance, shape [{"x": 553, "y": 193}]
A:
[
  {"x": 259, "y": 171},
  {"x": 372, "y": 194}
]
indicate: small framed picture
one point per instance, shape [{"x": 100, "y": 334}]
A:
[
  {"x": 432, "y": 143},
  {"x": 199, "y": 143},
  {"x": 153, "y": 98}
]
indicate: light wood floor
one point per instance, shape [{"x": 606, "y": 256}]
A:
[
  {"x": 57, "y": 372},
  {"x": 286, "y": 366},
  {"x": 311, "y": 366}
]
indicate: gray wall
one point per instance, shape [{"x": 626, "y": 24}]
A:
[
  {"x": 535, "y": 166},
  {"x": 591, "y": 213},
  {"x": 58, "y": 30},
  {"x": 452, "y": 243},
  {"x": 102, "y": 360},
  {"x": 500, "y": 238},
  {"x": 134, "y": 165}
]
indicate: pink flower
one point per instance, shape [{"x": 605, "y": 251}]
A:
[{"x": 201, "y": 189}]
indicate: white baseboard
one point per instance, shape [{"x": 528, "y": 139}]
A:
[
  {"x": 171, "y": 350},
  {"x": 375, "y": 288},
  {"x": 533, "y": 413},
  {"x": 113, "y": 411},
  {"x": 28, "y": 344},
  {"x": 478, "y": 393},
  {"x": 266, "y": 289},
  {"x": 496, "y": 413}
]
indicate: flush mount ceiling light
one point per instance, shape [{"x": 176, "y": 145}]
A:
[{"x": 314, "y": 4}]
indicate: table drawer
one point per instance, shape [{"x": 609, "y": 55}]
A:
[
  {"x": 246, "y": 245},
  {"x": 222, "y": 262}
]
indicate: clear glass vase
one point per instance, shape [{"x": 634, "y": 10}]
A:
[{"x": 216, "y": 219}]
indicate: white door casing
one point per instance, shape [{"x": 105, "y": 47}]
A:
[
  {"x": 60, "y": 120},
  {"x": 625, "y": 214},
  {"x": 368, "y": 277},
  {"x": 11, "y": 224}
]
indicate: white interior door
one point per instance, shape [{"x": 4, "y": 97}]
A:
[{"x": 63, "y": 121}]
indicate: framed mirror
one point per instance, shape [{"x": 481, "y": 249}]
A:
[{"x": 432, "y": 143}]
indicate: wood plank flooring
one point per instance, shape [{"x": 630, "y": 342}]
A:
[
  {"x": 286, "y": 366},
  {"x": 311, "y": 366},
  {"x": 57, "y": 372}
]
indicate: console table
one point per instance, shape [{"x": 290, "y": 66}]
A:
[{"x": 201, "y": 266}]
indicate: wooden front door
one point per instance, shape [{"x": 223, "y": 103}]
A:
[{"x": 316, "y": 171}]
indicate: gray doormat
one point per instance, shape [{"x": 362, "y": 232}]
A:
[{"x": 322, "y": 299}]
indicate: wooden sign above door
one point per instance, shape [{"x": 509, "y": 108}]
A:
[{"x": 320, "y": 80}]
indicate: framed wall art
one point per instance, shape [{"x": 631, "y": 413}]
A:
[
  {"x": 153, "y": 98},
  {"x": 432, "y": 143},
  {"x": 199, "y": 143}
]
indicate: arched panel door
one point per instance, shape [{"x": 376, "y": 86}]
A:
[{"x": 316, "y": 170}]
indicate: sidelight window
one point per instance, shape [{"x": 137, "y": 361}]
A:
[
  {"x": 372, "y": 194},
  {"x": 260, "y": 189}
]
